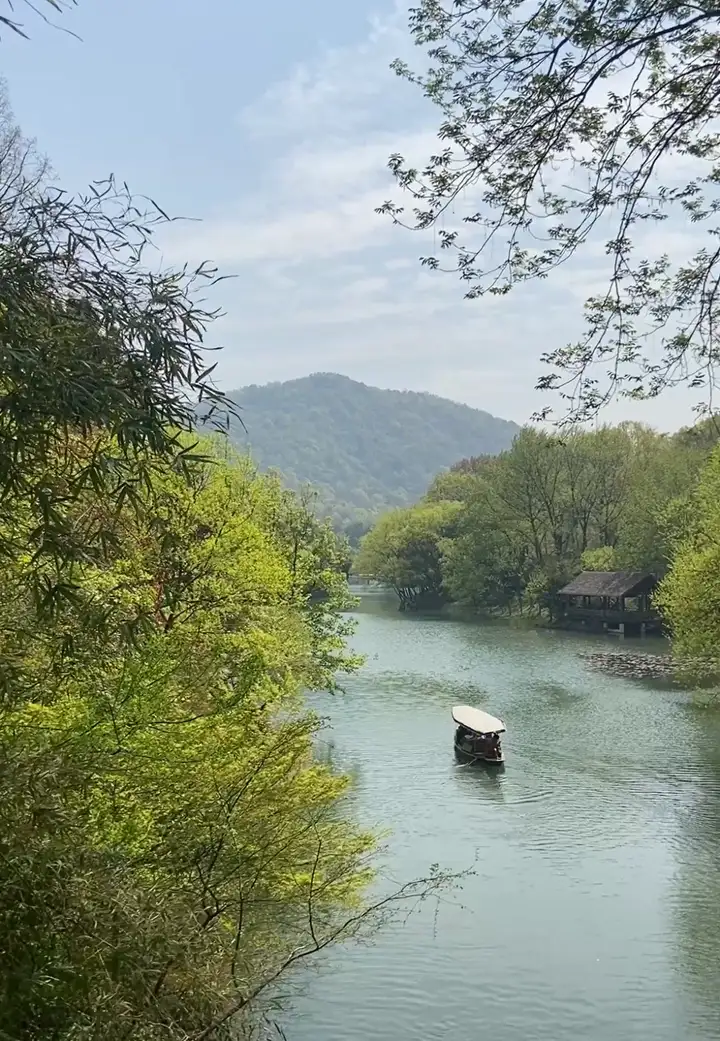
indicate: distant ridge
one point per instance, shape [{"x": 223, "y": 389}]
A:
[{"x": 365, "y": 448}]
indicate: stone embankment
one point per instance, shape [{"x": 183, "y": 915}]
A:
[{"x": 650, "y": 666}]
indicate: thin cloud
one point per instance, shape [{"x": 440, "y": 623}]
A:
[
  {"x": 339, "y": 91},
  {"x": 323, "y": 282}
]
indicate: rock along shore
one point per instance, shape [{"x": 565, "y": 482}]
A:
[{"x": 650, "y": 666}]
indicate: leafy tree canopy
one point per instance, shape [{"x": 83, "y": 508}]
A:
[
  {"x": 169, "y": 845},
  {"x": 563, "y": 121},
  {"x": 91, "y": 340},
  {"x": 404, "y": 550},
  {"x": 690, "y": 593},
  {"x": 604, "y": 558},
  {"x": 162, "y": 777},
  {"x": 528, "y": 520}
]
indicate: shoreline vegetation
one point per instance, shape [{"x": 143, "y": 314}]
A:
[
  {"x": 628, "y": 661},
  {"x": 172, "y": 850},
  {"x": 500, "y": 536}
]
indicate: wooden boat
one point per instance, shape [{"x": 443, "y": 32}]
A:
[{"x": 477, "y": 737}]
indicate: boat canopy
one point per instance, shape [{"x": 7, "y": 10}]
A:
[{"x": 477, "y": 720}]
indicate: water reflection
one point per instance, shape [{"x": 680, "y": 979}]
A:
[{"x": 480, "y": 780}]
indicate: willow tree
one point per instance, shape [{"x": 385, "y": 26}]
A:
[{"x": 564, "y": 122}]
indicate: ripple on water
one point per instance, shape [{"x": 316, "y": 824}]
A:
[{"x": 594, "y": 910}]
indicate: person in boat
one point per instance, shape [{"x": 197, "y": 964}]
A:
[{"x": 480, "y": 744}]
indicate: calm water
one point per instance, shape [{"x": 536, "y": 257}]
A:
[{"x": 594, "y": 912}]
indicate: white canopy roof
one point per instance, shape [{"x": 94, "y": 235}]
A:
[{"x": 477, "y": 720}]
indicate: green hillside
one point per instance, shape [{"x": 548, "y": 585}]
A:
[{"x": 364, "y": 448}]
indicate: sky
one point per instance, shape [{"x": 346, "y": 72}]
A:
[{"x": 270, "y": 126}]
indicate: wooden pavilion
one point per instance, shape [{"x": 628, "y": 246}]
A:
[{"x": 608, "y": 599}]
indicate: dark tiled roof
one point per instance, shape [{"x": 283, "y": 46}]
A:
[{"x": 610, "y": 583}]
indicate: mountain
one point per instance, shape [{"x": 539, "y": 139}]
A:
[{"x": 364, "y": 448}]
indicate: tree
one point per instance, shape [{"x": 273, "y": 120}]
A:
[
  {"x": 91, "y": 341},
  {"x": 486, "y": 565},
  {"x": 540, "y": 595},
  {"x": 404, "y": 550},
  {"x": 702, "y": 436},
  {"x": 169, "y": 847},
  {"x": 662, "y": 476},
  {"x": 563, "y": 121},
  {"x": 604, "y": 558},
  {"x": 22, "y": 167},
  {"x": 689, "y": 595},
  {"x": 450, "y": 486},
  {"x": 534, "y": 516}
]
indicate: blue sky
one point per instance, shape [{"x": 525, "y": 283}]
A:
[{"x": 272, "y": 123}]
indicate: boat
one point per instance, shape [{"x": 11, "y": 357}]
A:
[{"x": 477, "y": 737}]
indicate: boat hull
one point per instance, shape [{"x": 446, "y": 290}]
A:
[{"x": 469, "y": 756}]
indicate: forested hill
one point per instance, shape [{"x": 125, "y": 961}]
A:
[{"x": 367, "y": 448}]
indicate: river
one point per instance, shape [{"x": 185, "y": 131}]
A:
[{"x": 594, "y": 910}]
